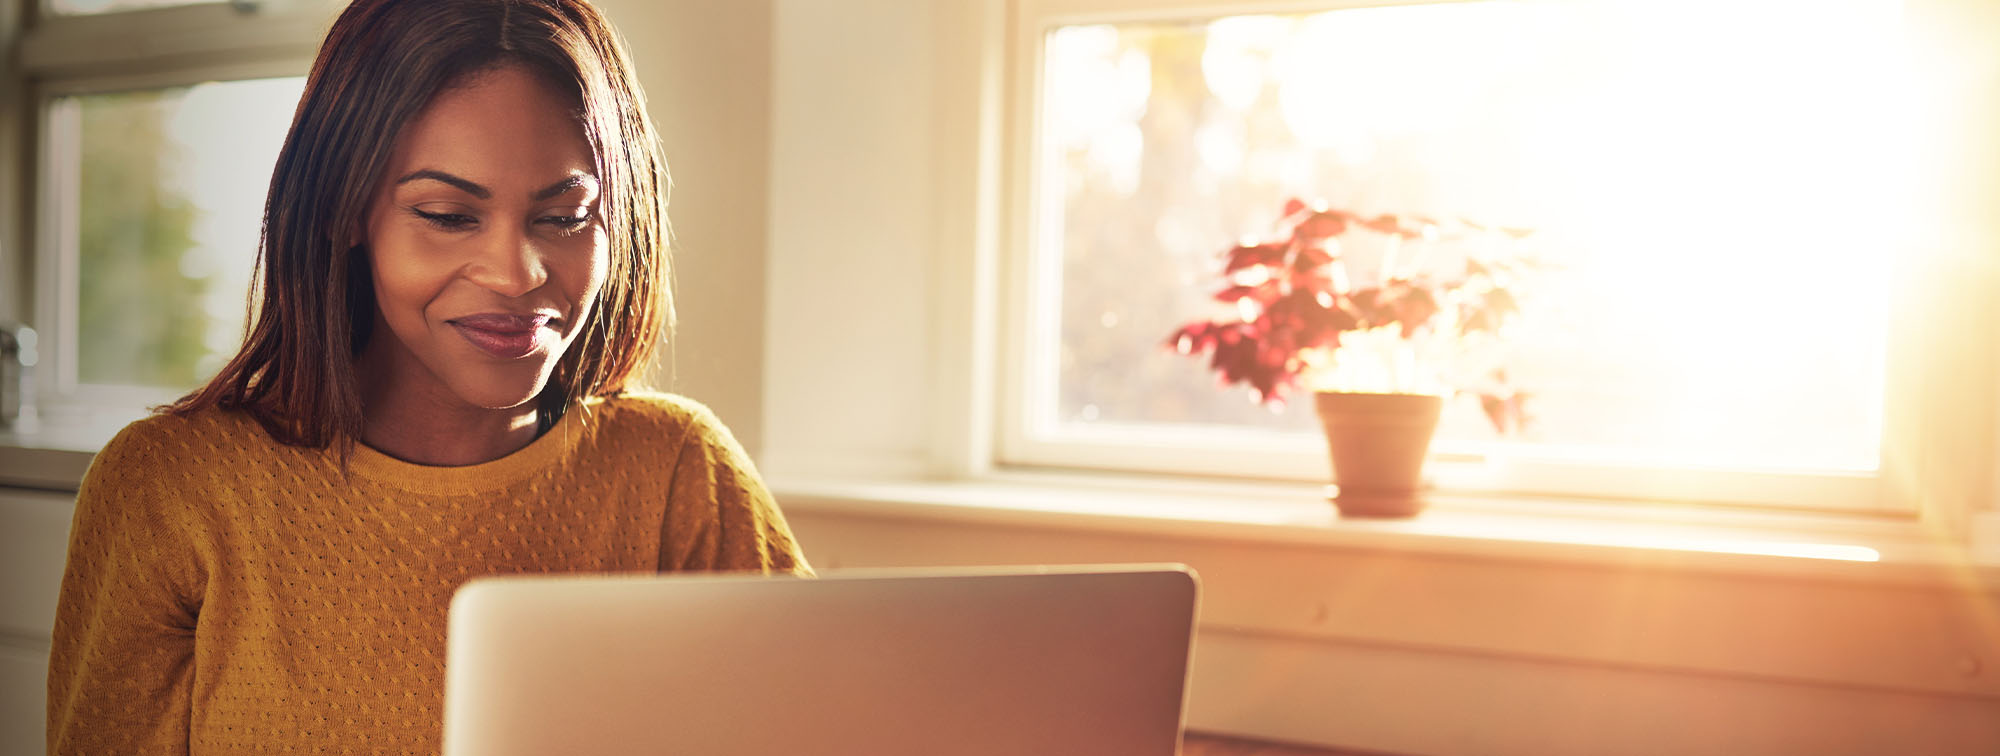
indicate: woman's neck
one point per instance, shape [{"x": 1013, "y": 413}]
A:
[
  {"x": 432, "y": 435},
  {"x": 427, "y": 424}
]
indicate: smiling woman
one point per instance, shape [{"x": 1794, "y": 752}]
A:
[
  {"x": 481, "y": 283},
  {"x": 453, "y": 109},
  {"x": 463, "y": 268}
]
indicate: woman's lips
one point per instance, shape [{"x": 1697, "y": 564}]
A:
[{"x": 508, "y": 337}]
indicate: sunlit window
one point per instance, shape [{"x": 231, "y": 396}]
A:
[
  {"x": 1717, "y": 186},
  {"x": 168, "y": 188}
]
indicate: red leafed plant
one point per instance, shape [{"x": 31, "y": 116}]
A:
[{"x": 1305, "y": 314}]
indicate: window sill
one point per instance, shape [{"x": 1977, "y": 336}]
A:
[
  {"x": 53, "y": 450},
  {"x": 1641, "y": 535}
]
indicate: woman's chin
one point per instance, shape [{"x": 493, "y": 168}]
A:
[{"x": 499, "y": 394}]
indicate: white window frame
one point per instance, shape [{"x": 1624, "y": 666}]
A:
[
  {"x": 69, "y": 55},
  {"x": 1914, "y": 430}
]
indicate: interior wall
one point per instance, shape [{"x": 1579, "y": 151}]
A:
[
  {"x": 706, "y": 69},
  {"x": 848, "y": 365},
  {"x": 800, "y": 137}
]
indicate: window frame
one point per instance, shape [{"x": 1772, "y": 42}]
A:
[
  {"x": 1914, "y": 430},
  {"x": 70, "y": 55},
  {"x": 47, "y": 8}
]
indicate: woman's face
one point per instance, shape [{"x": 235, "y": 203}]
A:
[{"x": 484, "y": 243}]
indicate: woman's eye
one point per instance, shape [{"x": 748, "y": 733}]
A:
[
  {"x": 447, "y": 221},
  {"x": 566, "y": 222}
]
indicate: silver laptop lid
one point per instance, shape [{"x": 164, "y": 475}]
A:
[{"x": 1006, "y": 661}]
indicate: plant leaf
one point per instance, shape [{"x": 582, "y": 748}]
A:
[
  {"x": 1311, "y": 256},
  {"x": 1320, "y": 226},
  {"x": 1415, "y": 308},
  {"x": 1255, "y": 255},
  {"x": 1384, "y": 224}
]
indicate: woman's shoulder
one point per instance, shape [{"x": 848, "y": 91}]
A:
[
  {"x": 167, "y": 451},
  {"x": 203, "y": 433},
  {"x": 653, "y": 411},
  {"x": 661, "y": 421}
]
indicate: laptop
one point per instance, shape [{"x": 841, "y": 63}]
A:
[{"x": 1050, "y": 661}]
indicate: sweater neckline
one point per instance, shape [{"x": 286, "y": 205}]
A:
[{"x": 540, "y": 454}]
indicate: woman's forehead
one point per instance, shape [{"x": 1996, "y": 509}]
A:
[{"x": 504, "y": 128}]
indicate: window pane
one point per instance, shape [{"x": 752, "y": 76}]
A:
[
  {"x": 170, "y": 201},
  {"x": 1717, "y": 181},
  {"x": 81, "y": 7}
]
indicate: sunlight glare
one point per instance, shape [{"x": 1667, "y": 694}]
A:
[{"x": 1723, "y": 190}]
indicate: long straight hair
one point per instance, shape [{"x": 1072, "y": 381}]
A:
[{"x": 382, "y": 63}]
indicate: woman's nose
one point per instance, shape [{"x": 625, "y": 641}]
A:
[{"x": 509, "y": 263}]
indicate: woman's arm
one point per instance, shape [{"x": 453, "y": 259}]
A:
[{"x": 121, "y": 665}]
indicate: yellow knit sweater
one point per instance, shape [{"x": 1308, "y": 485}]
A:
[{"x": 230, "y": 595}]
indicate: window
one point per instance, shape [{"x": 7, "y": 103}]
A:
[
  {"x": 169, "y": 195},
  {"x": 149, "y": 182},
  {"x": 1722, "y": 188}
]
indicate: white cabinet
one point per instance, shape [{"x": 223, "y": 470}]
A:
[
  {"x": 34, "y": 539},
  {"x": 24, "y": 674}
]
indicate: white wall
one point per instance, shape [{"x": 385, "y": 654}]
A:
[
  {"x": 800, "y": 135},
  {"x": 706, "y": 68},
  {"x": 852, "y": 212}
]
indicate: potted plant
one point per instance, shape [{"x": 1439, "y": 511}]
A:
[{"x": 1383, "y": 317}]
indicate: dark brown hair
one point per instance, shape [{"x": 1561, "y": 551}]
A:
[{"x": 382, "y": 63}]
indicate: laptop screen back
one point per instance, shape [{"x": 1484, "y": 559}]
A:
[{"x": 1088, "y": 661}]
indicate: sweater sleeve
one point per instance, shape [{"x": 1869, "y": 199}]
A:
[
  {"x": 122, "y": 656},
  {"x": 720, "y": 516}
]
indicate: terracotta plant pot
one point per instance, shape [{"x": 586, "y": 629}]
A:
[{"x": 1378, "y": 443}]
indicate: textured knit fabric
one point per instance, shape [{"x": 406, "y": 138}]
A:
[{"x": 226, "y": 594}]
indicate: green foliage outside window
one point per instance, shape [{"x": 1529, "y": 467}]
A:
[{"x": 140, "y": 317}]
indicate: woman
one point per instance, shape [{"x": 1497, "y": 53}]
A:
[{"x": 464, "y": 265}]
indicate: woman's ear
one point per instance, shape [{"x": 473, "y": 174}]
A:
[
  {"x": 357, "y": 234},
  {"x": 353, "y": 234},
  {"x": 360, "y": 297}
]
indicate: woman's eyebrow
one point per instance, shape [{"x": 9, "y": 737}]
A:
[
  {"x": 461, "y": 184},
  {"x": 569, "y": 182}
]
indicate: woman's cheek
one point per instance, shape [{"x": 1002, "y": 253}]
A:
[
  {"x": 600, "y": 264},
  {"x": 407, "y": 279},
  {"x": 594, "y": 266}
]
